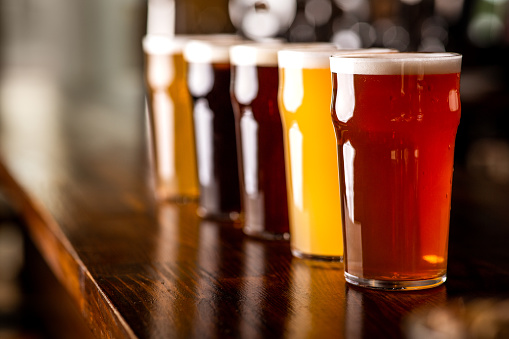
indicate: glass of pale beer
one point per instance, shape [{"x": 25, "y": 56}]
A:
[
  {"x": 208, "y": 81},
  {"x": 169, "y": 116},
  {"x": 395, "y": 118}
]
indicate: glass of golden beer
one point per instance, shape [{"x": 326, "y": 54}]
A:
[
  {"x": 208, "y": 81},
  {"x": 310, "y": 154},
  {"x": 396, "y": 117},
  {"x": 171, "y": 141}
]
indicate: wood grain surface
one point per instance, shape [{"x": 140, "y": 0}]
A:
[{"x": 136, "y": 268}]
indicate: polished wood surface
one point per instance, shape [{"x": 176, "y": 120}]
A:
[{"x": 138, "y": 269}]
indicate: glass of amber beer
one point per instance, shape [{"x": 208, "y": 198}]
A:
[
  {"x": 395, "y": 118},
  {"x": 171, "y": 141},
  {"x": 208, "y": 81},
  {"x": 253, "y": 89}
]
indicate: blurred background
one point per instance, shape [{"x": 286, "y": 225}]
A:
[{"x": 73, "y": 56}]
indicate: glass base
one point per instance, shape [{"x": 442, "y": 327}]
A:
[
  {"x": 265, "y": 235},
  {"x": 395, "y": 285},
  {"x": 227, "y": 216},
  {"x": 302, "y": 255}
]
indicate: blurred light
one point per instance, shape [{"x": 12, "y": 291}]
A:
[
  {"x": 396, "y": 37},
  {"x": 381, "y": 26},
  {"x": 349, "y": 5},
  {"x": 318, "y": 11},
  {"x": 436, "y": 28},
  {"x": 366, "y": 32},
  {"x": 450, "y": 9},
  {"x": 346, "y": 21},
  {"x": 302, "y": 30},
  {"x": 431, "y": 45},
  {"x": 347, "y": 39},
  {"x": 260, "y": 25},
  {"x": 485, "y": 29},
  {"x": 265, "y": 18},
  {"x": 490, "y": 156},
  {"x": 495, "y": 2},
  {"x": 411, "y": 2},
  {"x": 359, "y": 8},
  {"x": 302, "y": 33}
]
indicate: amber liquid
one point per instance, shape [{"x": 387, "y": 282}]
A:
[
  {"x": 214, "y": 127},
  {"x": 261, "y": 151},
  {"x": 171, "y": 128},
  {"x": 395, "y": 147}
]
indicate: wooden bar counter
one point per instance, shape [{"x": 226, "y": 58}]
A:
[{"x": 136, "y": 269}]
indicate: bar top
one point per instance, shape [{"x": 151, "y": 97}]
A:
[{"x": 140, "y": 270}]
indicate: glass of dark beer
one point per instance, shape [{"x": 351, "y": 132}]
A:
[
  {"x": 254, "y": 87},
  {"x": 395, "y": 118},
  {"x": 208, "y": 81}
]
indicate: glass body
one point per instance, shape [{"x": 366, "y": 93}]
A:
[
  {"x": 261, "y": 151},
  {"x": 171, "y": 140},
  {"x": 395, "y": 144},
  {"x": 312, "y": 180},
  {"x": 214, "y": 126}
]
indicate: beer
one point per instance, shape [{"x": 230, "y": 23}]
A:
[
  {"x": 395, "y": 119},
  {"x": 254, "y": 89},
  {"x": 214, "y": 128},
  {"x": 312, "y": 181},
  {"x": 173, "y": 159},
  {"x": 310, "y": 154}
]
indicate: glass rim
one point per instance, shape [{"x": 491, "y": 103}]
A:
[
  {"x": 318, "y": 57},
  {"x": 211, "y": 50},
  {"x": 168, "y": 44},
  {"x": 396, "y": 63},
  {"x": 266, "y": 53}
]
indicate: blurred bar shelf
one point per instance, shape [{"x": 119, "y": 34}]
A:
[{"x": 136, "y": 269}]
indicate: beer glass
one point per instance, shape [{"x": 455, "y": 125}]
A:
[
  {"x": 208, "y": 80},
  {"x": 395, "y": 118},
  {"x": 310, "y": 155},
  {"x": 171, "y": 141},
  {"x": 254, "y": 86}
]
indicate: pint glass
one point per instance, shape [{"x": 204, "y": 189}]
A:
[
  {"x": 208, "y": 80},
  {"x": 253, "y": 89},
  {"x": 171, "y": 141},
  {"x": 313, "y": 199},
  {"x": 395, "y": 118},
  {"x": 311, "y": 162}
]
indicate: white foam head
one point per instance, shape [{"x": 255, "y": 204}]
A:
[
  {"x": 317, "y": 57},
  {"x": 396, "y": 63},
  {"x": 167, "y": 44},
  {"x": 214, "y": 49},
  {"x": 265, "y": 54},
  {"x": 163, "y": 44}
]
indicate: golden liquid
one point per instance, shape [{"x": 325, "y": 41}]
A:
[
  {"x": 171, "y": 128},
  {"x": 311, "y": 162}
]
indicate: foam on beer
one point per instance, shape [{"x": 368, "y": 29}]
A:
[
  {"x": 317, "y": 57},
  {"x": 214, "y": 50},
  {"x": 163, "y": 44},
  {"x": 265, "y": 54},
  {"x": 166, "y": 44},
  {"x": 396, "y": 63}
]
